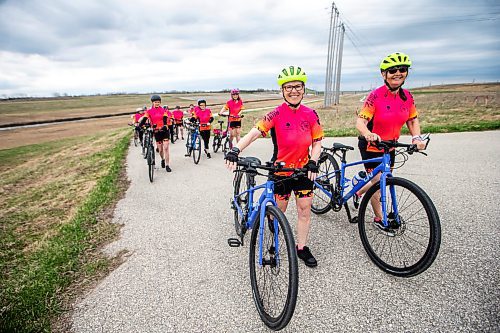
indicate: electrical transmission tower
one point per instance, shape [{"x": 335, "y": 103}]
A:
[{"x": 334, "y": 59}]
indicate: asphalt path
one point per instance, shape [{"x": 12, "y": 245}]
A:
[{"x": 181, "y": 276}]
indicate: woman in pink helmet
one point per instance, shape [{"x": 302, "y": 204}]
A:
[{"x": 233, "y": 109}]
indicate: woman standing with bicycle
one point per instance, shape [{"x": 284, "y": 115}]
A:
[
  {"x": 233, "y": 108},
  {"x": 205, "y": 118},
  {"x": 178, "y": 115},
  {"x": 384, "y": 113},
  {"x": 158, "y": 118},
  {"x": 296, "y": 133}
]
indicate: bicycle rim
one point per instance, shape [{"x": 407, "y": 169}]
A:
[
  {"x": 197, "y": 150},
  {"x": 321, "y": 201},
  {"x": 411, "y": 243},
  {"x": 275, "y": 283}
]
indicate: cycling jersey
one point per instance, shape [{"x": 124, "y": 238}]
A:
[
  {"x": 170, "y": 117},
  {"x": 293, "y": 132},
  {"x": 234, "y": 107},
  {"x": 387, "y": 113},
  {"x": 204, "y": 117},
  {"x": 178, "y": 115},
  {"x": 155, "y": 116},
  {"x": 136, "y": 117}
]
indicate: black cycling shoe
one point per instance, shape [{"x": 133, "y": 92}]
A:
[
  {"x": 208, "y": 155},
  {"x": 162, "y": 164},
  {"x": 168, "y": 169},
  {"x": 306, "y": 255}
]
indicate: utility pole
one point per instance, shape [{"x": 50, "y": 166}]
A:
[{"x": 334, "y": 58}]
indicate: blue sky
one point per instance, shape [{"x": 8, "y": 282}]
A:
[{"x": 85, "y": 47}]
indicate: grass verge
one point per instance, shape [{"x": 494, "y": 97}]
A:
[{"x": 47, "y": 245}]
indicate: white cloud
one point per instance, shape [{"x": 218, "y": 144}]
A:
[{"x": 82, "y": 47}]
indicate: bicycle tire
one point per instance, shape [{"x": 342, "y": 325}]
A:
[
  {"x": 135, "y": 141},
  {"x": 410, "y": 248},
  {"x": 225, "y": 148},
  {"x": 175, "y": 135},
  {"x": 151, "y": 163},
  {"x": 321, "y": 203},
  {"x": 197, "y": 150},
  {"x": 242, "y": 182},
  {"x": 217, "y": 143},
  {"x": 188, "y": 143},
  {"x": 267, "y": 280}
]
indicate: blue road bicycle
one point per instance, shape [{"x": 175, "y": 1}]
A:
[
  {"x": 397, "y": 221},
  {"x": 274, "y": 274},
  {"x": 193, "y": 142}
]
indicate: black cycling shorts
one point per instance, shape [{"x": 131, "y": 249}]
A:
[
  {"x": 235, "y": 124},
  {"x": 284, "y": 185},
  {"x": 162, "y": 134}
]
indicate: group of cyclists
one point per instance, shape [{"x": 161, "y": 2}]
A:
[
  {"x": 162, "y": 120},
  {"x": 296, "y": 133}
]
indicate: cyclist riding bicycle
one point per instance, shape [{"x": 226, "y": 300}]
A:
[
  {"x": 385, "y": 111},
  {"x": 139, "y": 113},
  {"x": 296, "y": 133},
  {"x": 205, "y": 118},
  {"x": 233, "y": 108},
  {"x": 178, "y": 115},
  {"x": 159, "y": 119}
]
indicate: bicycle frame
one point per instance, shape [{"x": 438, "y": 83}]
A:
[
  {"x": 194, "y": 135},
  {"x": 266, "y": 197},
  {"x": 384, "y": 168}
]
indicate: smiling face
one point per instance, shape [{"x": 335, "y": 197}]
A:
[
  {"x": 395, "y": 77},
  {"x": 156, "y": 104},
  {"x": 293, "y": 92}
]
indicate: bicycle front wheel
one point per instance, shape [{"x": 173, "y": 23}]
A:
[
  {"x": 197, "y": 150},
  {"x": 151, "y": 163},
  {"x": 275, "y": 281},
  {"x": 217, "y": 143},
  {"x": 411, "y": 241},
  {"x": 225, "y": 147},
  {"x": 321, "y": 202}
]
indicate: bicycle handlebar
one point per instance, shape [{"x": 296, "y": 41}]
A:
[{"x": 254, "y": 163}]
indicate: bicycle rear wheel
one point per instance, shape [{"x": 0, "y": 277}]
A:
[
  {"x": 275, "y": 282},
  {"x": 409, "y": 245},
  {"x": 151, "y": 163},
  {"x": 321, "y": 202},
  {"x": 242, "y": 182},
  {"x": 197, "y": 150}
]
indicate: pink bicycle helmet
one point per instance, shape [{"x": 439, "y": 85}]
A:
[{"x": 235, "y": 92}]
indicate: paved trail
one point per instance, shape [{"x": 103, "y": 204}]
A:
[{"x": 182, "y": 277}]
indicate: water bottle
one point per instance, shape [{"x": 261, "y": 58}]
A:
[{"x": 358, "y": 177}]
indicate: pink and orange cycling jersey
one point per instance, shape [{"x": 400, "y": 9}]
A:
[
  {"x": 387, "y": 113},
  {"x": 178, "y": 115},
  {"x": 136, "y": 117},
  {"x": 234, "y": 108},
  {"x": 293, "y": 132},
  {"x": 155, "y": 116},
  {"x": 204, "y": 117}
]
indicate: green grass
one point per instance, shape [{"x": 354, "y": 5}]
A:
[{"x": 33, "y": 280}]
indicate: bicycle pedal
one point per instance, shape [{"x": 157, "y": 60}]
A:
[{"x": 233, "y": 242}]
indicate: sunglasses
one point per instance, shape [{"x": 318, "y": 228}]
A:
[{"x": 401, "y": 69}]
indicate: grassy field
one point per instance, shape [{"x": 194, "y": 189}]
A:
[
  {"x": 56, "y": 196},
  {"x": 52, "y": 201}
]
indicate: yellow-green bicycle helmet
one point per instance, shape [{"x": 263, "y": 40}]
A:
[
  {"x": 395, "y": 59},
  {"x": 291, "y": 73}
]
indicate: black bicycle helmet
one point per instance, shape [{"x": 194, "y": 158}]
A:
[
  {"x": 202, "y": 101},
  {"x": 155, "y": 98}
]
